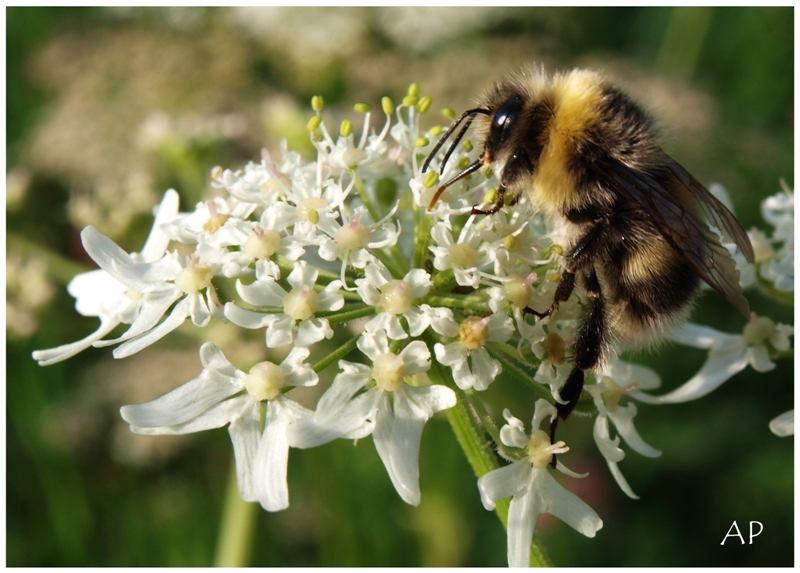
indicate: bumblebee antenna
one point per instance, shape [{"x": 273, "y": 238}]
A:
[
  {"x": 473, "y": 167},
  {"x": 469, "y": 113}
]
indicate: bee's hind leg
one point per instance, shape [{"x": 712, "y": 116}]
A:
[{"x": 587, "y": 352}]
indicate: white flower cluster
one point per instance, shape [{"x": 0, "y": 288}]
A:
[{"x": 313, "y": 245}]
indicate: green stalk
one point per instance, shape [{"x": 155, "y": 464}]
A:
[
  {"x": 477, "y": 303},
  {"x": 350, "y": 312},
  {"x": 422, "y": 235},
  {"x": 336, "y": 355},
  {"x": 472, "y": 439},
  {"x": 507, "y": 356},
  {"x": 237, "y": 527}
]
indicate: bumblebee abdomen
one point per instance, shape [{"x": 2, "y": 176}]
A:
[{"x": 652, "y": 289}]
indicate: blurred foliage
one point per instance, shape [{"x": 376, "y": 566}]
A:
[{"x": 108, "y": 108}]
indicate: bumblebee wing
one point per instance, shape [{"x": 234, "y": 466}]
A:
[
  {"x": 672, "y": 204},
  {"x": 715, "y": 212}
]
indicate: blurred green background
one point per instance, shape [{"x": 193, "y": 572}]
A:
[{"x": 108, "y": 108}]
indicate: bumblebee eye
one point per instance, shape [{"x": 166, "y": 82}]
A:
[{"x": 503, "y": 119}]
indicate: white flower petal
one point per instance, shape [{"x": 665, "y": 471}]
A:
[
  {"x": 173, "y": 321},
  {"x": 503, "y": 482},
  {"x": 416, "y": 358},
  {"x": 244, "y": 432},
  {"x": 248, "y": 318},
  {"x": 523, "y": 512},
  {"x": 566, "y": 506},
  {"x": 715, "y": 371},
  {"x": 783, "y": 425},
  {"x": 215, "y": 417},
  {"x": 313, "y": 330},
  {"x": 59, "y": 353},
  {"x": 623, "y": 421}
]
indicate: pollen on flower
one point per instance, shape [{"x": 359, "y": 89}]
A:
[
  {"x": 518, "y": 290},
  {"x": 462, "y": 256},
  {"x": 262, "y": 244},
  {"x": 388, "y": 371},
  {"x": 308, "y": 209},
  {"x": 474, "y": 332},
  {"x": 352, "y": 236},
  {"x": 396, "y": 297},
  {"x": 301, "y": 303},
  {"x": 194, "y": 278},
  {"x": 758, "y": 330},
  {"x": 215, "y": 220},
  {"x": 556, "y": 348},
  {"x": 264, "y": 381},
  {"x": 540, "y": 450}
]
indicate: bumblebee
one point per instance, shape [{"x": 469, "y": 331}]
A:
[{"x": 630, "y": 217}]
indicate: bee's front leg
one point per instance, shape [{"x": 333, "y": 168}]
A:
[
  {"x": 578, "y": 258},
  {"x": 517, "y": 166}
]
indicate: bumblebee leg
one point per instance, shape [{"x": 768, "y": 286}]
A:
[
  {"x": 587, "y": 351},
  {"x": 563, "y": 291},
  {"x": 578, "y": 258},
  {"x": 516, "y": 166},
  {"x": 498, "y": 204}
]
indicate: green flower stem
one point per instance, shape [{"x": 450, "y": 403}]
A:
[
  {"x": 477, "y": 303},
  {"x": 769, "y": 290},
  {"x": 362, "y": 192},
  {"x": 336, "y": 355},
  {"x": 444, "y": 280},
  {"x": 393, "y": 259},
  {"x": 422, "y": 234},
  {"x": 508, "y": 357},
  {"x": 237, "y": 527},
  {"x": 348, "y": 313},
  {"x": 472, "y": 438}
]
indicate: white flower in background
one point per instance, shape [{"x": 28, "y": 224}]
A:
[
  {"x": 467, "y": 357},
  {"x": 728, "y": 354},
  {"x": 466, "y": 256},
  {"x": 778, "y": 267},
  {"x": 98, "y": 293},
  {"x": 532, "y": 489},
  {"x": 392, "y": 410},
  {"x": 297, "y": 323},
  {"x": 783, "y": 425},
  {"x": 617, "y": 379},
  {"x": 395, "y": 298},
  {"x": 222, "y": 395}
]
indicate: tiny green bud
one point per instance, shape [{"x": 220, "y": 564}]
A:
[
  {"x": 557, "y": 249},
  {"x": 346, "y": 128},
  {"x": 413, "y": 89},
  {"x": 421, "y": 142},
  {"x": 317, "y": 102},
  {"x": 388, "y": 105},
  {"x": 435, "y": 130},
  {"x": 362, "y": 107},
  {"x": 431, "y": 179},
  {"x": 313, "y": 123},
  {"x": 467, "y": 145},
  {"x": 490, "y": 196},
  {"x": 424, "y": 104},
  {"x": 448, "y": 113},
  {"x": 410, "y": 100},
  {"x": 487, "y": 171},
  {"x": 463, "y": 163}
]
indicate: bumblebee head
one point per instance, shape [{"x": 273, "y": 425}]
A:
[{"x": 504, "y": 122}]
